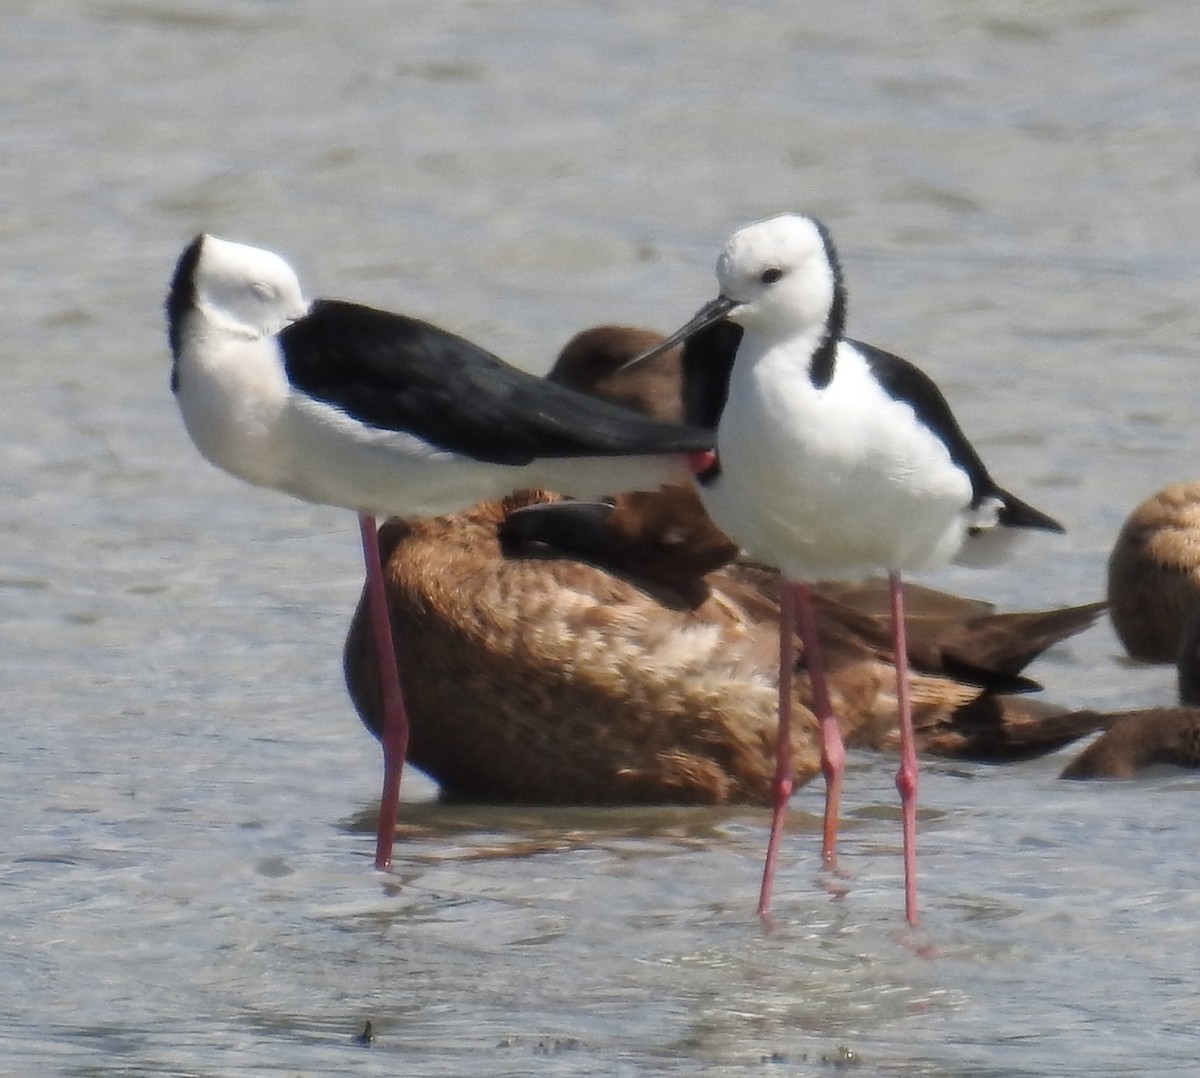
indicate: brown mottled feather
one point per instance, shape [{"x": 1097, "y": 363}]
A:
[
  {"x": 622, "y": 661},
  {"x": 1138, "y": 739},
  {"x": 1154, "y": 573},
  {"x": 1188, "y": 663},
  {"x": 546, "y": 680},
  {"x": 551, "y": 680},
  {"x": 591, "y": 361}
]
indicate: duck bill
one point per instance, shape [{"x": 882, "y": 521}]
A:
[{"x": 711, "y": 312}]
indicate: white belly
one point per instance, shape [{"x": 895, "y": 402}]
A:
[
  {"x": 836, "y": 482},
  {"x": 334, "y": 460},
  {"x": 245, "y": 417}
]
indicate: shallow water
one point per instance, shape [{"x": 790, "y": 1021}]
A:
[{"x": 186, "y": 791}]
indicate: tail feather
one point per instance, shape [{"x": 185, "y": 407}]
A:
[
  {"x": 1007, "y": 643},
  {"x": 1005, "y": 729},
  {"x": 1015, "y": 513}
]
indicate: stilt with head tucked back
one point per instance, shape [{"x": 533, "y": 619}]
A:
[{"x": 346, "y": 405}]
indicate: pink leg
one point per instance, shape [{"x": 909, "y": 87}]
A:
[
  {"x": 833, "y": 751},
  {"x": 906, "y": 776},
  {"x": 781, "y": 783},
  {"x": 796, "y": 607},
  {"x": 395, "y": 721}
]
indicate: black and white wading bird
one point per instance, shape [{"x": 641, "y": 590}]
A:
[
  {"x": 346, "y": 405},
  {"x": 834, "y": 459}
]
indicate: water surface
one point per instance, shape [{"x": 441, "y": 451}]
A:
[{"x": 186, "y": 791}]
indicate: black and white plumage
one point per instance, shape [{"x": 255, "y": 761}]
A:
[
  {"x": 860, "y": 438},
  {"x": 347, "y": 405},
  {"x": 833, "y": 458}
]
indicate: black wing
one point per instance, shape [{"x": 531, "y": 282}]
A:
[
  {"x": 707, "y": 364},
  {"x": 903, "y": 381},
  {"x": 402, "y": 374}
]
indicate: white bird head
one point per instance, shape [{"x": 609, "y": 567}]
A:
[
  {"x": 245, "y": 290},
  {"x": 780, "y": 274}
]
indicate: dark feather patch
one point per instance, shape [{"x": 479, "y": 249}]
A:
[
  {"x": 180, "y": 300},
  {"x": 568, "y": 527},
  {"x": 820, "y": 370},
  {"x": 707, "y": 365},
  {"x": 904, "y": 382},
  {"x": 402, "y": 374},
  {"x": 1018, "y": 514},
  {"x": 707, "y": 360}
]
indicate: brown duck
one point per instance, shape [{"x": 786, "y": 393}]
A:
[
  {"x": 1154, "y": 573},
  {"x": 1136, "y": 740},
  {"x": 615, "y": 652}
]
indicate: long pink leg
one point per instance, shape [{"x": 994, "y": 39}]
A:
[
  {"x": 833, "y": 751},
  {"x": 781, "y": 782},
  {"x": 796, "y": 606},
  {"x": 906, "y": 776},
  {"x": 395, "y": 721}
]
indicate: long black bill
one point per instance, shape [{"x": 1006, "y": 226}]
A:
[{"x": 703, "y": 318}]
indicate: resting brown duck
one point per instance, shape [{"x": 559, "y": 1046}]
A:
[
  {"x": 1154, "y": 573},
  {"x": 615, "y": 652},
  {"x": 1136, "y": 740}
]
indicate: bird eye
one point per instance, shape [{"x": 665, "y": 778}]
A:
[
  {"x": 770, "y": 276},
  {"x": 266, "y": 292}
]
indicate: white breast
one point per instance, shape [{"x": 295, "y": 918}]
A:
[
  {"x": 836, "y": 481},
  {"x": 231, "y": 393}
]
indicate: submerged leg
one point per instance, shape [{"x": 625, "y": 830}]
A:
[
  {"x": 395, "y": 721},
  {"x": 906, "y": 776},
  {"x": 781, "y": 782}
]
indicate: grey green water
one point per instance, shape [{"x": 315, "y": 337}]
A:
[{"x": 186, "y": 886}]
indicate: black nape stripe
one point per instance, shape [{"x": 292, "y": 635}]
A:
[
  {"x": 820, "y": 370},
  {"x": 181, "y": 298}
]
